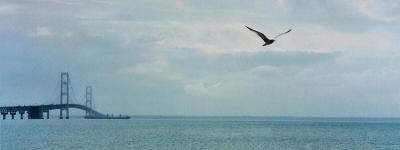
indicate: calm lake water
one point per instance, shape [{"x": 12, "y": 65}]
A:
[{"x": 200, "y": 133}]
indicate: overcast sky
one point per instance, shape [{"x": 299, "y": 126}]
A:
[{"x": 195, "y": 57}]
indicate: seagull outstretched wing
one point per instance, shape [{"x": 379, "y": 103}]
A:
[
  {"x": 282, "y": 34},
  {"x": 259, "y": 34}
]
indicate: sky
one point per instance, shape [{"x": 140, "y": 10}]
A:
[{"x": 190, "y": 57}]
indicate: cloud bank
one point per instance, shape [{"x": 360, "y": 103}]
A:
[{"x": 178, "y": 57}]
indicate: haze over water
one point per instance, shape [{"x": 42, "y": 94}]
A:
[{"x": 201, "y": 133}]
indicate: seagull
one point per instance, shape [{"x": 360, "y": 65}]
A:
[{"x": 267, "y": 40}]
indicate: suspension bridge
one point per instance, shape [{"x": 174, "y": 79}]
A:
[{"x": 62, "y": 102}]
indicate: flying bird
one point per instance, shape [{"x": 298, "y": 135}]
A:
[{"x": 265, "y": 38}]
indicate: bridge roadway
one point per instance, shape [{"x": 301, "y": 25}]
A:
[{"x": 36, "y": 111}]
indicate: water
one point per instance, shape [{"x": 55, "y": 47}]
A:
[{"x": 200, "y": 133}]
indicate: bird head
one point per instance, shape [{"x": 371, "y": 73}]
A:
[{"x": 271, "y": 41}]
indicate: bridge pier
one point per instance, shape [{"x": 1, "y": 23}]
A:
[
  {"x": 35, "y": 112},
  {"x": 21, "y": 113},
  {"x": 66, "y": 114},
  {"x": 4, "y": 115},
  {"x": 13, "y": 114}
]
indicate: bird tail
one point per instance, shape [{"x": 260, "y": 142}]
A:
[{"x": 265, "y": 44}]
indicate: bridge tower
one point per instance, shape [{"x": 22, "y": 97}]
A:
[
  {"x": 89, "y": 99},
  {"x": 64, "y": 94}
]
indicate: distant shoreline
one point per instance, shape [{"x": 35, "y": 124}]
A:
[{"x": 269, "y": 118}]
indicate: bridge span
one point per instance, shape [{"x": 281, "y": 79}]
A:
[{"x": 36, "y": 111}]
